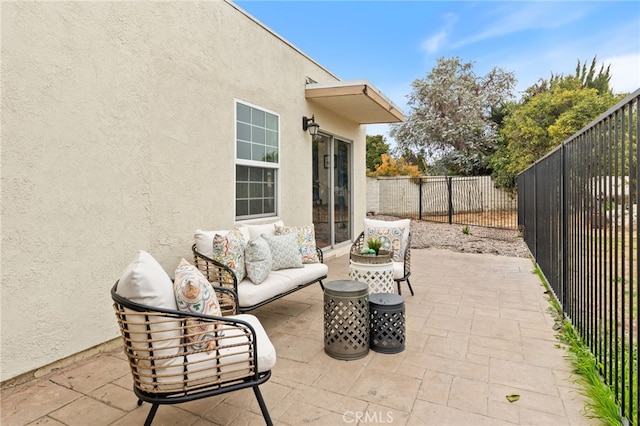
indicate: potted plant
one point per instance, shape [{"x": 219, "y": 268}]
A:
[
  {"x": 374, "y": 244},
  {"x": 374, "y": 251}
]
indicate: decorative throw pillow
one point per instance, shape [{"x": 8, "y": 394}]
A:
[
  {"x": 285, "y": 251},
  {"x": 306, "y": 240},
  {"x": 195, "y": 294},
  {"x": 204, "y": 239},
  {"x": 267, "y": 228},
  {"x": 145, "y": 281},
  {"x": 391, "y": 239},
  {"x": 258, "y": 260},
  {"x": 398, "y": 255},
  {"x": 229, "y": 250}
]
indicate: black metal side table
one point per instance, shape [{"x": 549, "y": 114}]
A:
[
  {"x": 346, "y": 319},
  {"x": 387, "y": 323}
]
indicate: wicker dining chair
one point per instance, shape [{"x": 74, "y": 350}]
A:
[
  {"x": 401, "y": 273},
  {"x": 167, "y": 369}
]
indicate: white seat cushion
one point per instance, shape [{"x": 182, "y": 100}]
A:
[
  {"x": 278, "y": 282},
  {"x": 202, "y": 366},
  {"x": 398, "y": 270},
  {"x": 266, "y": 350}
]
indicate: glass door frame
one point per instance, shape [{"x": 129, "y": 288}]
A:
[{"x": 326, "y": 161}]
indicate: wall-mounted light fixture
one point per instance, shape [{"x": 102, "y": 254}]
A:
[{"x": 310, "y": 125}]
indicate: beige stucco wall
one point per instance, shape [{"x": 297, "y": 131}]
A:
[{"x": 118, "y": 135}]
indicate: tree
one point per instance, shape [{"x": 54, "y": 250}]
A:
[
  {"x": 376, "y": 146},
  {"x": 412, "y": 157},
  {"x": 451, "y": 115},
  {"x": 395, "y": 167},
  {"x": 551, "y": 112},
  {"x": 590, "y": 80}
]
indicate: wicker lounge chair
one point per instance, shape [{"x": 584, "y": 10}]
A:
[{"x": 167, "y": 369}]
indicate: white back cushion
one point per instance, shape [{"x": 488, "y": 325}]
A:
[{"x": 144, "y": 281}]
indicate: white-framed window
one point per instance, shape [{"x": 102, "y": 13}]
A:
[{"x": 257, "y": 161}]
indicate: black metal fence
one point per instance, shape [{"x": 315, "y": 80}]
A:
[
  {"x": 450, "y": 199},
  {"x": 577, "y": 207}
]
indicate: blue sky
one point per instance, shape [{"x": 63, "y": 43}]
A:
[{"x": 392, "y": 43}]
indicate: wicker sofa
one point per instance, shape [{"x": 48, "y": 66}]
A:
[{"x": 278, "y": 283}]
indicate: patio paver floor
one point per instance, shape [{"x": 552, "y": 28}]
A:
[{"x": 478, "y": 329}]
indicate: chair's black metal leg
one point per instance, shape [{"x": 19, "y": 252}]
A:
[
  {"x": 151, "y": 415},
  {"x": 321, "y": 285},
  {"x": 263, "y": 406},
  {"x": 409, "y": 284},
  {"x": 399, "y": 289}
]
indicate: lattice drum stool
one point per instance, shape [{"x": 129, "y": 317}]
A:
[
  {"x": 379, "y": 276},
  {"x": 346, "y": 319},
  {"x": 387, "y": 323}
]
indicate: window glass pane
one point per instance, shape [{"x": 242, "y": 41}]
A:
[
  {"x": 257, "y": 135},
  {"x": 272, "y": 122},
  {"x": 242, "y": 173},
  {"x": 242, "y": 207},
  {"x": 244, "y": 132},
  {"x": 255, "y": 207},
  {"x": 259, "y": 153},
  {"x": 255, "y": 174},
  {"x": 272, "y": 138},
  {"x": 255, "y": 190},
  {"x": 242, "y": 190},
  {"x": 269, "y": 205},
  {"x": 272, "y": 156},
  {"x": 244, "y": 113},
  {"x": 269, "y": 190},
  {"x": 244, "y": 150},
  {"x": 258, "y": 118}
]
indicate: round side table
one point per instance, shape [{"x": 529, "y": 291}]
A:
[
  {"x": 346, "y": 319},
  {"x": 378, "y": 276},
  {"x": 387, "y": 322}
]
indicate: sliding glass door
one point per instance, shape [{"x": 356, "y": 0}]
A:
[{"x": 331, "y": 190}]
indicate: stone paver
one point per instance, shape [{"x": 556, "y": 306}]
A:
[{"x": 477, "y": 330}]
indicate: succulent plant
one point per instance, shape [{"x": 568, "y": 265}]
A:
[{"x": 374, "y": 244}]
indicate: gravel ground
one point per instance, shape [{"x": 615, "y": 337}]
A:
[{"x": 501, "y": 242}]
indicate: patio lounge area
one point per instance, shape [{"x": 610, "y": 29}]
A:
[{"x": 478, "y": 330}]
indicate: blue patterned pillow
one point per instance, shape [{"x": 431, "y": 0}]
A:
[
  {"x": 306, "y": 240},
  {"x": 229, "y": 250},
  {"x": 285, "y": 251},
  {"x": 258, "y": 260}
]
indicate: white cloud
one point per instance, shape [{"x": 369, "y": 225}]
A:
[
  {"x": 625, "y": 72},
  {"x": 520, "y": 17},
  {"x": 434, "y": 43}
]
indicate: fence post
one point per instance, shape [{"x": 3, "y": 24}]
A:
[
  {"x": 420, "y": 199},
  {"x": 564, "y": 235},
  {"x": 450, "y": 206}
]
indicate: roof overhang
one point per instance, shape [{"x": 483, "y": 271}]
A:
[{"x": 357, "y": 101}]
